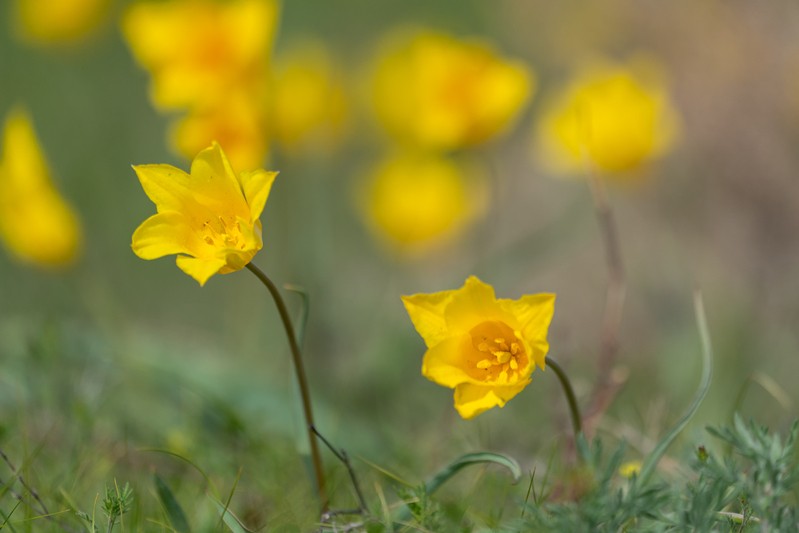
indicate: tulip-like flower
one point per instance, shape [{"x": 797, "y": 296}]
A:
[
  {"x": 238, "y": 123},
  {"x": 197, "y": 50},
  {"x": 483, "y": 347},
  {"x": 36, "y": 224},
  {"x": 441, "y": 93},
  {"x": 210, "y": 217},
  {"x": 617, "y": 117},
  {"x": 55, "y": 22},
  {"x": 415, "y": 202},
  {"x": 309, "y": 104}
]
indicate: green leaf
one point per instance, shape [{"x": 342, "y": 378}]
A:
[{"x": 173, "y": 509}]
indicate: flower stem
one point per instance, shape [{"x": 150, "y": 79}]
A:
[
  {"x": 299, "y": 370},
  {"x": 577, "y": 421}
]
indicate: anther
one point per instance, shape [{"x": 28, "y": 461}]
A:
[
  {"x": 502, "y": 357},
  {"x": 485, "y": 363}
]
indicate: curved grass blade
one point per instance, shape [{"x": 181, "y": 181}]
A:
[
  {"x": 177, "y": 518},
  {"x": 208, "y": 483},
  {"x": 458, "y": 464},
  {"x": 652, "y": 460},
  {"x": 434, "y": 483}
]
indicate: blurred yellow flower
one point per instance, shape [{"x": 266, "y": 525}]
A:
[
  {"x": 616, "y": 116},
  {"x": 210, "y": 217},
  {"x": 415, "y": 201},
  {"x": 438, "y": 92},
  {"x": 309, "y": 106},
  {"x": 238, "y": 123},
  {"x": 36, "y": 223},
  {"x": 484, "y": 348},
  {"x": 196, "y": 50},
  {"x": 50, "y": 22},
  {"x": 630, "y": 469}
]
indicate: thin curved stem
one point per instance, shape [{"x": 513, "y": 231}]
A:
[
  {"x": 299, "y": 370},
  {"x": 577, "y": 421}
]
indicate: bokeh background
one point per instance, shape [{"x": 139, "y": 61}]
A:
[{"x": 112, "y": 355}]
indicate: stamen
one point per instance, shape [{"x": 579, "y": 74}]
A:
[
  {"x": 514, "y": 364},
  {"x": 483, "y": 347},
  {"x": 485, "y": 363},
  {"x": 514, "y": 348},
  {"x": 503, "y": 377},
  {"x": 502, "y": 357}
]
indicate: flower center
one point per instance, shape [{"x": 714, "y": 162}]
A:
[
  {"x": 223, "y": 232},
  {"x": 498, "y": 355}
]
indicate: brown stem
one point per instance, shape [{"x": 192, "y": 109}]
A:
[
  {"x": 608, "y": 384},
  {"x": 299, "y": 370}
]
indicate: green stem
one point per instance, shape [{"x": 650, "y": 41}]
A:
[
  {"x": 577, "y": 421},
  {"x": 299, "y": 370}
]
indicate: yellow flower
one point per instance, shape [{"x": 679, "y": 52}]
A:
[
  {"x": 630, "y": 469},
  {"x": 484, "y": 348},
  {"x": 50, "y": 22},
  {"x": 616, "y": 116},
  {"x": 210, "y": 217},
  {"x": 415, "y": 201},
  {"x": 237, "y": 122},
  {"x": 439, "y": 92},
  {"x": 36, "y": 223},
  {"x": 197, "y": 49},
  {"x": 309, "y": 107}
]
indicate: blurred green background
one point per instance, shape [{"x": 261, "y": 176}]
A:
[{"x": 116, "y": 355}]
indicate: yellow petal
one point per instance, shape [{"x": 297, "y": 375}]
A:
[
  {"x": 533, "y": 313},
  {"x": 199, "y": 269},
  {"x": 473, "y": 303},
  {"x": 167, "y": 186},
  {"x": 164, "y": 234},
  {"x": 444, "y": 362},
  {"x": 427, "y": 314},
  {"x": 214, "y": 182},
  {"x": 472, "y": 399},
  {"x": 256, "y": 186}
]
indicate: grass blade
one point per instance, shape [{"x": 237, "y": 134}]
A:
[
  {"x": 230, "y": 520},
  {"x": 652, "y": 460},
  {"x": 434, "y": 483},
  {"x": 173, "y": 509}
]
